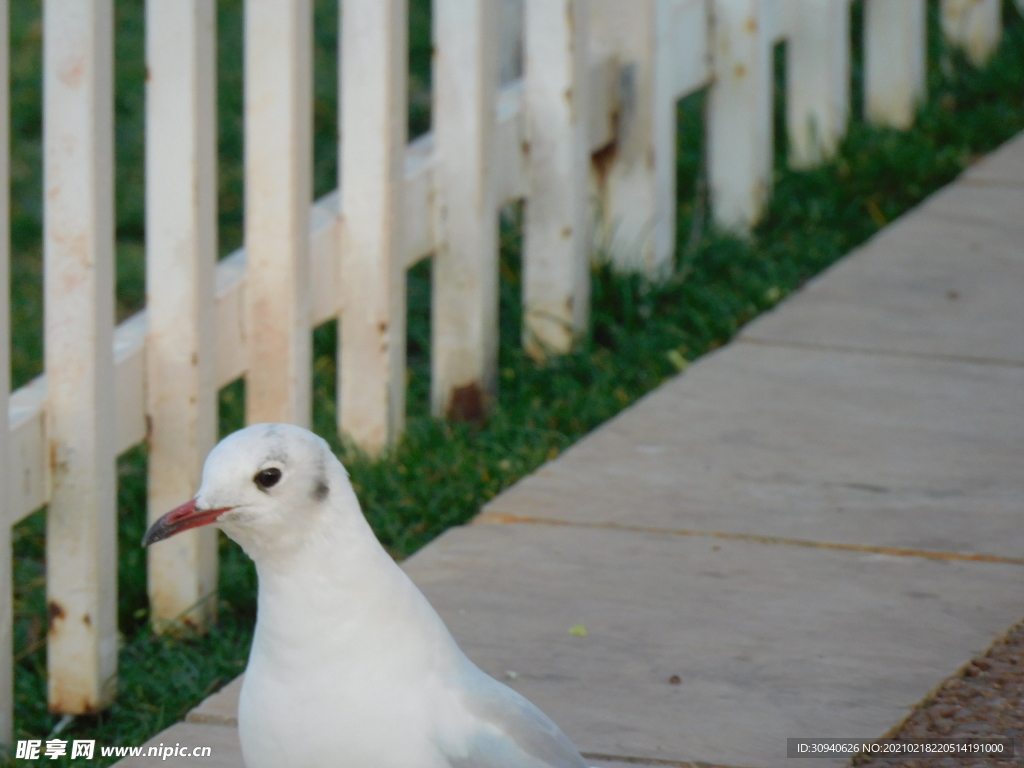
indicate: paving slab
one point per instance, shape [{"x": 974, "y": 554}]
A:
[
  {"x": 996, "y": 206},
  {"x": 768, "y": 642},
  {"x": 805, "y": 444},
  {"x": 928, "y": 286},
  {"x": 1005, "y": 166}
]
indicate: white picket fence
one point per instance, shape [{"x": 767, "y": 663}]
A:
[{"x": 595, "y": 75}]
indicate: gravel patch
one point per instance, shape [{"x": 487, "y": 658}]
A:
[{"x": 986, "y": 698}]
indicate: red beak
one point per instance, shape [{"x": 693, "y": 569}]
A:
[{"x": 181, "y": 519}]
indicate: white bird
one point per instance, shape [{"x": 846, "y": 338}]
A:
[{"x": 350, "y": 665}]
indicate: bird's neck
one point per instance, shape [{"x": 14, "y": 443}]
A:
[
  {"x": 334, "y": 570},
  {"x": 340, "y": 595}
]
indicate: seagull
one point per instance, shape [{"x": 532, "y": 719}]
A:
[{"x": 350, "y": 664}]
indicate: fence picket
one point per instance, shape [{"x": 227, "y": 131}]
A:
[
  {"x": 625, "y": 174},
  {"x": 556, "y": 249},
  {"x": 6, "y": 507},
  {"x": 278, "y": 194},
  {"x": 894, "y": 60},
  {"x": 372, "y": 339},
  {"x": 739, "y": 127},
  {"x": 181, "y": 251},
  {"x": 464, "y": 322},
  {"x": 818, "y": 79},
  {"x": 973, "y": 25},
  {"x": 78, "y": 243}
]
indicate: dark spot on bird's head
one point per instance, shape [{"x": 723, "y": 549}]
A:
[
  {"x": 277, "y": 455},
  {"x": 320, "y": 490}
]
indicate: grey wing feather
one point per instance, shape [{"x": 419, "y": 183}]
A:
[{"x": 526, "y": 737}]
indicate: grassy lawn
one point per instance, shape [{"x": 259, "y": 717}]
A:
[{"x": 642, "y": 333}]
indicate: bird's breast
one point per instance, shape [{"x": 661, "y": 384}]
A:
[{"x": 357, "y": 716}]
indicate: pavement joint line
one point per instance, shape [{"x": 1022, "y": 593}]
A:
[
  {"x": 846, "y": 349},
  {"x": 630, "y": 759},
  {"x": 225, "y": 721},
  {"x": 502, "y": 518}
]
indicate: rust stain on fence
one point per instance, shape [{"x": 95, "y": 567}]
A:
[
  {"x": 54, "y": 612},
  {"x": 81, "y": 705},
  {"x": 602, "y": 161},
  {"x": 469, "y": 404}
]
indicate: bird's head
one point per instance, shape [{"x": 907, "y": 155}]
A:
[{"x": 264, "y": 486}]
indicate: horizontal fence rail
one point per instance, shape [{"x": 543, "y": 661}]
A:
[{"x": 560, "y": 103}]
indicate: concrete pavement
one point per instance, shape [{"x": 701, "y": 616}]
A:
[{"x": 799, "y": 537}]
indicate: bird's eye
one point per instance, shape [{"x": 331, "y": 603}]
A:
[{"x": 267, "y": 478}]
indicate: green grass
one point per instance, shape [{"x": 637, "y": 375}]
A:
[{"x": 642, "y": 332}]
